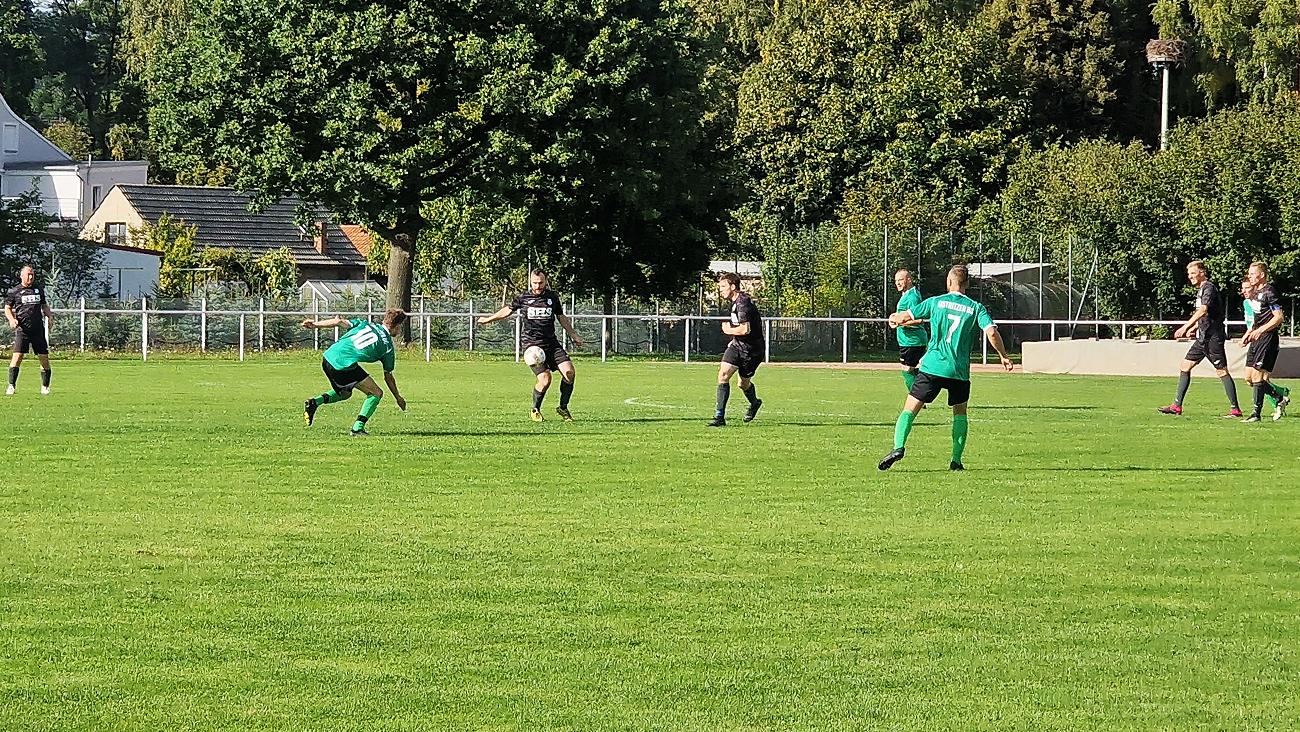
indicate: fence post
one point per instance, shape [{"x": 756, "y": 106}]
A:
[
  {"x": 428, "y": 335},
  {"x": 261, "y": 323},
  {"x": 471, "y": 324},
  {"x": 144, "y": 329},
  {"x": 984, "y": 342},
  {"x": 315, "y": 332},
  {"x": 687, "y": 352},
  {"x": 604, "y": 340},
  {"x": 845, "y": 358},
  {"x": 203, "y": 325},
  {"x": 370, "y": 308},
  {"x": 241, "y": 336},
  {"x": 1123, "y": 331},
  {"x": 517, "y": 355},
  {"x": 1053, "y": 336},
  {"x": 83, "y": 324},
  {"x": 767, "y": 341}
]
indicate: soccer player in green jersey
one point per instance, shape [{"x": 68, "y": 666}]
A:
[
  {"x": 911, "y": 335},
  {"x": 365, "y": 342},
  {"x": 955, "y": 322},
  {"x": 1248, "y": 309},
  {"x": 1262, "y": 342}
]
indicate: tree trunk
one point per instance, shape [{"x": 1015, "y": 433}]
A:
[{"x": 401, "y": 267}]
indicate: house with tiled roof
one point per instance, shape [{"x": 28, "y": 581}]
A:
[{"x": 222, "y": 216}]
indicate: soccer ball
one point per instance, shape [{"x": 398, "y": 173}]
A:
[{"x": 534, "y": 356}]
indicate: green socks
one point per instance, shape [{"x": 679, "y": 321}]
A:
[
  {"x": 909, "y": 378},
  {"x": 902, "y": 428},
  {"x": 959, "y": 430},
  {"x": 367, "y": 411},
  {"x": 329, "y": 397}
]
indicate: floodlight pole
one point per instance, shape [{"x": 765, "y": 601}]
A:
[{"x": 1163, "y": 54}]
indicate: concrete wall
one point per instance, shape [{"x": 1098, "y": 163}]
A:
[{"x": 1141, "y": 358}]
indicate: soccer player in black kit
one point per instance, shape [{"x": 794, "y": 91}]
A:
[
  {"x": 1211, "y": 337},
  {"x": 541, "y": 307},
  {"x": 26, "y": 311},
  {"x": 1262, "y": 341},
  {"x": 745, "y": 351}
]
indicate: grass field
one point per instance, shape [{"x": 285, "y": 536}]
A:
[{"x": 177, "y": 552}]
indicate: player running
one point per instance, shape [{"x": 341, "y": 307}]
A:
[
  {"x": 1211, "y": 338},
  {"x": 365, "y": 342},
  {"x": 26, "y": 310},
  {"x": 745, "y": 351},
  {"x": 911, "y": 335},
  {"x": 955, "y": 322},
  {"x": 541, "y": 308},
  {"x": 1262, "y": 343}
]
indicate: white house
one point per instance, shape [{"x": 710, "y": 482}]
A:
[{"x": 70, "y": 189}]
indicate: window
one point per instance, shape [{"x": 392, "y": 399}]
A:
[
  {"x": 11, "y": 138},
  {"x": 115, "y": 234},
  {"x": 96, "y": 194}
]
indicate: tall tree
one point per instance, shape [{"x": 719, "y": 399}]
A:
[
  {"x": 373, "y": 109},
  {"x": 84, "y": 67},
  {"x": 20, "y": 53}
]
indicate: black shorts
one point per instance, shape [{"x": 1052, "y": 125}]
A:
[
  {"x": 1212, "y": 348},
  {"x": 555, "y": 355},
  {"x": 33, "y": 338},
  {"x": 1262, "y": 354},
  {"x": 344, "y": 380},
  {"x": 910, "y": 355},
  {"x": 746, "y": 360},
  {"x": 927, "y": 387}
]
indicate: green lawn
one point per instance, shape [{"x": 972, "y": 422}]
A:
[{"x": 177, "y": 552}]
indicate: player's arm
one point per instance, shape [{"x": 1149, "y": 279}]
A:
[
  {"x": 327, "y": 323},
  {"x": 901, "y": 318},
  {"x": 995, "y": 340},
  {"x": 567, "y": 325},
  {"x": 392, "y": 386},
  {"x": 501, "y": 314},
  {"x": 1200, "y": 312},
  {"x": 49, "y": 314},
  {"x": 1273, "y": 322},
  {"x": 736, "y": 330},
  {"x": 9, "y": 315}
]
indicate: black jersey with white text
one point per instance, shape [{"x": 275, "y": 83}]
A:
[
  {"x": 28, "y": 305},
  {"x": 1264, "y": 303},
  {"x": 1211, "y": 326},
  {"x": 743, "y": 310},
  {"x": 539, "y": 313}
]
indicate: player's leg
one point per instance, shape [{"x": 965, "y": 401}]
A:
[
  {"x": 340, "y": 391},
  {"x": 1194, "y": 356},
  {"x": 567, "y": 375},
  {"x": 20, "y": 349},
  {"x": 42, "y": 350},
  {"x": 960, "y": 429},
  {"x": 543, "y": 383},
  {"x": 747, "y": 388},
  {"x": 909, "y": 359},
  {"x": 726, "y": 370},
  {"x": 1230, "y": 389},
  {"x": 924, "y": 390},
  {"x": 373, "y": 394}
]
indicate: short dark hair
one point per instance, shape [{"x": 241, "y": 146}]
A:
[
  {"x": 539, "y": 272},
  {"x": 731, "y": 277},
  {"x": 394, "y": 317}
]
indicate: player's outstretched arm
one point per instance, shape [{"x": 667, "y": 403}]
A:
[
  {"x": 392, "y": 386},
  {"x": 327, "y": 323},
  {"x": 901, "y": 318},
  {"x": 567, "y": 325},
  {"x": 995, "y": 340},
  {"x": 501, "y": 314}
]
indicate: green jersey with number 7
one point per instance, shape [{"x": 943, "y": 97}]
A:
[
  {"x": 956, "y": 322},
  {"x": 366, "y": 342}
]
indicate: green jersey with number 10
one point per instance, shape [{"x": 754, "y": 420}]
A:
[
  {"x": 366, "y": 342},
  {"x": 956, "y": 321}
]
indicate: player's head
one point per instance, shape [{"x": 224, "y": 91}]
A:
[
  {"x": 1196, "y": 272},
  {"x": 538, "y": 281},
  {"x": 393, "y": 319},
  {"x": 1257, "y": 273},
  {"x": 728, "y": 285},
  {"x": 27, "y": 275},
  {"x": 903, "y": 280},
  {"x": 958, "y": 278},
  {"x": 1246, "y": 288}
]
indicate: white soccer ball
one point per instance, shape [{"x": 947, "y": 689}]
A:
[{"x": 534, "y": 356}]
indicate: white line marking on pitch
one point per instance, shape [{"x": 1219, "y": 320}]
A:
[{"x": 636, "y": 402}]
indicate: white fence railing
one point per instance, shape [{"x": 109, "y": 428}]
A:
[{"x": 664, "y": 334}]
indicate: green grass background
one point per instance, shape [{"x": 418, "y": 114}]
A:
[{"x": 177, "y": 552}]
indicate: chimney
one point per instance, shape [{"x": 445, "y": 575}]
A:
[{"x": 320, "y": 236}]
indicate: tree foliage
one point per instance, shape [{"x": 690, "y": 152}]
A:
[{"x": 176, "y": 241}]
